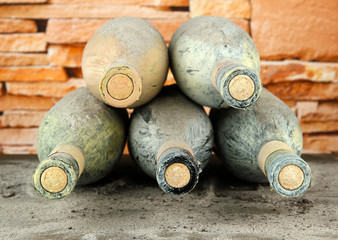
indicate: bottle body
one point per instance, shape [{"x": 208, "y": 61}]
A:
[
  {"x": 215, "y": 63},
  {"x": 171, "y": 133},
  {"x": 82, "y": 135},
  {"x": 125, "y": 62},
  {"x": 246, "y": 140}
]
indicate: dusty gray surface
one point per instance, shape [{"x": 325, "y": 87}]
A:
[{"x": 129, "y": 205}]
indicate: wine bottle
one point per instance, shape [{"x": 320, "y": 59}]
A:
[
  {"x": 263, "y": 143},
  {"x": 79, "y": 141},
  {"x": 171, "y": 140},
  {"x": 125, "y": 62},
  {"x": 215, "y": 63}
]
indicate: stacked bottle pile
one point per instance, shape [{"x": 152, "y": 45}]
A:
[{"x": 171, "y": 138}]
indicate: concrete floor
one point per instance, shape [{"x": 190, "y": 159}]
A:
[{"x": 129, "y": 205}]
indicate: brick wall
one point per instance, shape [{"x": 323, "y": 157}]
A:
[{"x": 41, "y": 43}]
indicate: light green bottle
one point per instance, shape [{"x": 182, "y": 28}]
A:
[
  {"x": 263, "y": 143},
  {"x": 215, "y": 63},
  {"x": 171, "y": 140},
  {"x": 79, "y": 141},
  {"x": 125, "y": 63}
]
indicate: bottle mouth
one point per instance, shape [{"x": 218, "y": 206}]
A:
[
  {"x": 54, "y": 178},
  {"x": 177, "y": 173},
  {"x": 240, "y": 87},
  {"x": 121, "y": 86},
  {"x": 290, "y": 175}
]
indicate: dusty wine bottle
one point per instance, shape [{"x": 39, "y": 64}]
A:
[
  {"x": 79, "y": 141},
  {"x": 263, "y": 143},
  {"x": 215, "y": 63},
  {"x": 125, "y": 62},
  {"x": 171, "y": 140}
]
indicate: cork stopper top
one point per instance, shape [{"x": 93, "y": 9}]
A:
[
  {"x": 177, "y": 175},
  {"x": 120, "y": 86},
  {"x": 54, "y": 179},
  {"x": 291, "y": 177},
  {"x": 241, "y": 87}
]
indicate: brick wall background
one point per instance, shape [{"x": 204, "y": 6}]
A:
[{"x": 41, "y": 43}]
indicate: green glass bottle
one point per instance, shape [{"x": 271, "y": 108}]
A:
[
  {"x": 125, "y": 63},
  {"x": 215, "y": 63},
  {"x": 171, "y": 140},
  {"x": 79, "y": 141},
  {"x": 263, "y": 143}
]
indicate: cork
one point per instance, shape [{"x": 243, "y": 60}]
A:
[
  {"x": 120, "y": 86},
  {"x": 241, "y": 87},
  {"x": 177, "y": 175},
  {"x": 54, "y": 179},
  {"x": 291, "y": 177}
]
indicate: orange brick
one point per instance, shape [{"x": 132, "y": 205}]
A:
[
  {"x": 17, "y": 26},
  {"x": 317, "y": 111},
  {"x": 46, "y": 89},
  {"x": 22, "y": 1},
  {"x": 320, "y": 143},
  {"x": 319, "y": 127},
  {"x": 9, "y": 102},
  {"x": 222, "y": 8},
  {"x": 65, "y": 55},
  {"x": 304, "y": 90},
  {"x": 22, "y": 118},
  {"x": 165, "y": 3},
  {"x": 45, "y": 11},
  {"x": 72, "y": 30},
  {"x": 305, "y": 29},
  {"x": 23, "y": 42},
  {"x": 23, "y": 59},
  {"x": 280, "y": 71},
  {"x": 80, "y": 30},
  {"x": 23, "y": 149},
  {"x": 18, "y": 136},
  {"x": 43, "y": 73}
]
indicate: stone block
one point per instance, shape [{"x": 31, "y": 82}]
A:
[
  {"x": 17, "y": 26},
  {"x": 46, "y": 11},
  {"x": 36, "y": 73},
  {"x": 222, "y": 8},
  {"x": 292, "y": 70},
  {"x": 22, "y": 42},
  {"x": 300, "y": 90},
  {"x": 304, "y": 29},
  {"x": 9, "y": 102},
  {"x": 21, "y": 118},
  {"x": 23, "y": 59},
  {"x": 46, "y": 89}
]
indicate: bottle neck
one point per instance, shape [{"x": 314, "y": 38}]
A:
[
  {"x": 288, "y": 174},
  {"x": 177, "y": 171},
  {"x": 57, "y": 175},
  {"x": 120, "y": 85},
  {"x": 239, "y": 85}
]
